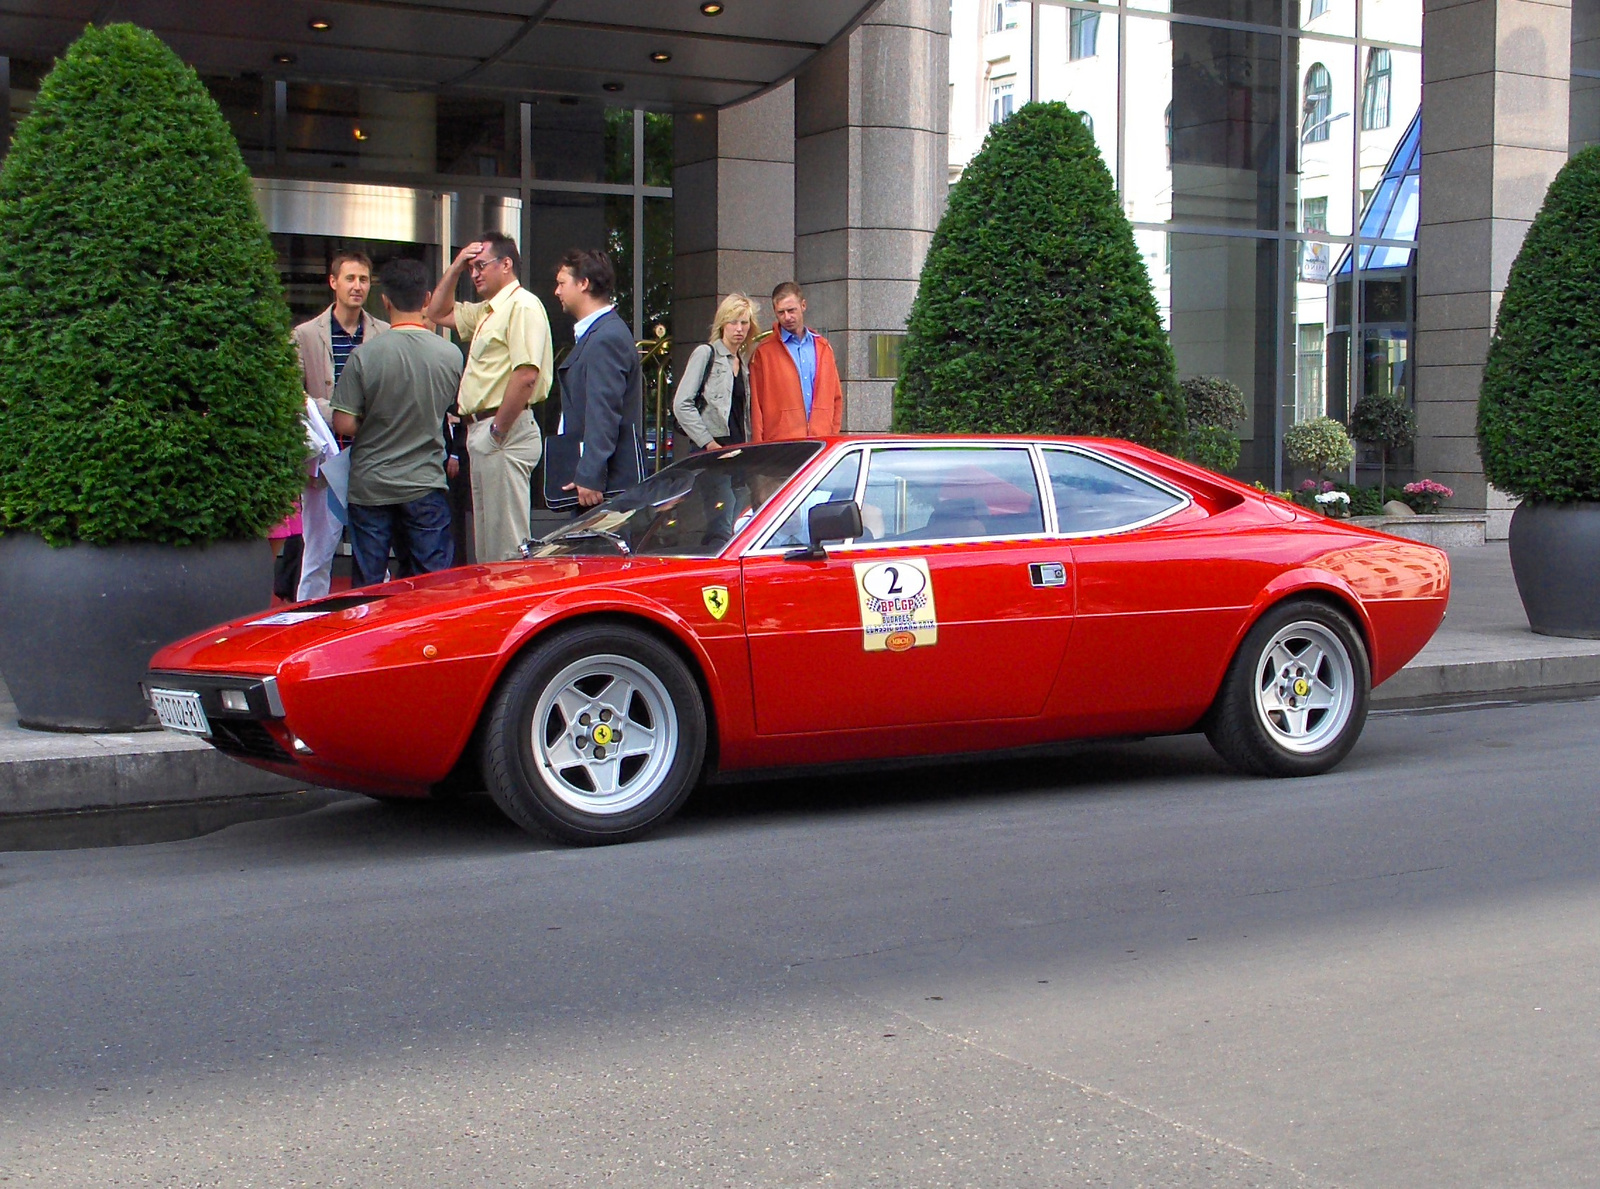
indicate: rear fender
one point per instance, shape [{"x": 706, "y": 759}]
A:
[{"x": 1302, "y": 582}]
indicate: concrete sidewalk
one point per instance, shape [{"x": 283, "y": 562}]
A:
[{"x": 1484, "y": 652}]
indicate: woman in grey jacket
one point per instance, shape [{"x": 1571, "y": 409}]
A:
[{"x": 712, "y": 402}]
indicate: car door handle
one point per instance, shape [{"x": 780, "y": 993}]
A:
[{"x": 1047, "y": 573}]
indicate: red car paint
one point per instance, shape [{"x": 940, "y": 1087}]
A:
[{"x": 384, "y": 696}]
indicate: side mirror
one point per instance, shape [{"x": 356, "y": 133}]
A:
[{"x": 836, "y": 520}]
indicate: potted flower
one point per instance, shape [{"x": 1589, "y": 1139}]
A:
[
  {"x": 149, "y": 399},
  {"x": 1424, "y": 496},
  {"x": 1539, "y": 406},
  {"x": 1324, "y": 445}
]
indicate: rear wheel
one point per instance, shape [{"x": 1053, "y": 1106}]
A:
[
  {"x": 597, "y": 735},
  {"x": 1295, "y": 697}
]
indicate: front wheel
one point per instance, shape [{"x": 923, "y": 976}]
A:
[
  {"x": 597, "y": 735},
  {"x": 1295, "y": 697}
]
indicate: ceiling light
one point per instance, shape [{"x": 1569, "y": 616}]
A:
[
  {"x": 359, "y": 135},
  {"x": 283, "y": 59},
  {"x": 612, "y": 87},
  {"x": 661, "y": 56},
  {"x": 711, "y": 10},
  {"x": 319, "y": 24}
]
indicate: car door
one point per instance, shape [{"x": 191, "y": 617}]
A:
[
  {"x": 954, "y": 606},
  {"x": 1160, "y": 596}
]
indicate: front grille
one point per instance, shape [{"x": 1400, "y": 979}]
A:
[{"x": 243, "y": 737}]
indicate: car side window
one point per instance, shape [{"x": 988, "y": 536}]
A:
[
  {"x": 839, "y": 484},
  {"x": 950, "y": 493},
  {"x": 1095, "y": 497}
]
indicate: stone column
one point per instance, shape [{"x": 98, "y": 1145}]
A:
[
  {"x": 733, "y": 210},
  {"x": 1494, "y": 133},
  {"x": 871, "y": 121}
]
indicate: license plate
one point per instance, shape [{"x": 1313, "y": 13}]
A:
[{"x": 180, "y": 710}]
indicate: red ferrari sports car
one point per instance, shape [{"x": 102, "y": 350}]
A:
[{"x": 841, "y": 600}]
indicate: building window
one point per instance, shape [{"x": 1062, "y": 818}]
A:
[
  {"x": 1169, "y": 135},
  {"x": 1314, "y": 254},
  {"x": 1083, "y": 30},
  {"x": 1318, "y": 104},
  {"x": 1310, "y": 398},
  {"x": 1318, "y": 7},
  {"x": 1375, "y": 92},
  {"x": 1088, "y": 121},
  {"x": 1002, "y": 95},
  {"x": 1005, "y": 15}
]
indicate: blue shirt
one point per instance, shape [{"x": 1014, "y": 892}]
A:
[
  {"x": 581, "y": 327},
  {"x": 343, "y": 343},
  {"x": 804, "y": 353}
]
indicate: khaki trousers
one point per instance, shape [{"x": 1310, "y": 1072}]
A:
[{"x": 502, "y": 486}]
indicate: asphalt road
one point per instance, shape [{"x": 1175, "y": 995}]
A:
[{"x": 1119, "y": 967}]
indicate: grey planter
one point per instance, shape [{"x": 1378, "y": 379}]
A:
[
  {"x": 79, "y": 624},
  {"x": 1555, "y": 555}
]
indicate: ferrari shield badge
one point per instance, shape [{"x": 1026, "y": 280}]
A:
[
  {"x": 897, "y": 611},
  {"x": 716, "y": 598}
]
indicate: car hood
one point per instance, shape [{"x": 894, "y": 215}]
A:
[{"x": 258, "y": 643}]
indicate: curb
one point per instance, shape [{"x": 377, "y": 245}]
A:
[
  {"x": 124, "y": 779},
  {"x": 1422, "y": 686}
]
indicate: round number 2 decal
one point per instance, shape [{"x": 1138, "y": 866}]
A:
[{"x": 891, "y": 581}]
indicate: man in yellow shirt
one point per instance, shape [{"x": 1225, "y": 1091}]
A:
[{"x": 508, "y": 370}]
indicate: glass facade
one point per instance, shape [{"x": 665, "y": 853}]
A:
[{"x": 1256, "y": 147}]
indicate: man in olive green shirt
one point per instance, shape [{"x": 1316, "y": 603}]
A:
[
  {"x": 508, "y": 369},
  {"x": 392, "y": 397}
]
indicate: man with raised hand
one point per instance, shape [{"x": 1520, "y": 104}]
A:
[{"x": 508, "y": 370}]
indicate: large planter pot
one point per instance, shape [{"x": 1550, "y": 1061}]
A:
[
  {"x": 1555, "y": 555},
  {"x": 79, "y": 624}
]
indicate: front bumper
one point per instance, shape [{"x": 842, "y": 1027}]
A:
[{"x": 256, "y": 732}]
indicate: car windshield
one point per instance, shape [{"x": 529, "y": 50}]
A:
[{"x": 691, "y": 509}]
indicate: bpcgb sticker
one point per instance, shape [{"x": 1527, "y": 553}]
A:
[{"x": 897, "y": 608}]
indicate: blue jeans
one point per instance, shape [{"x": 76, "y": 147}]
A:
[{"x": 419, "y": 531}]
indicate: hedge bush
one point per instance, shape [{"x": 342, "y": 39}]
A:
[
  {"x": 148, "y": 387},
  {"x": 1383, "y": 420},
  {"x": 1034, "y": 313},
  {"x": 1539, "y": 406},
  {"x": 1320, "y": 443},
  {"x": 1214, "y": 407}
]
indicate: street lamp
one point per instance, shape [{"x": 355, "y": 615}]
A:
[{"x": 1306, "y": 133}]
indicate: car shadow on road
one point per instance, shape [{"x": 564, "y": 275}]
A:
[{"x": 1053, "y": 772}]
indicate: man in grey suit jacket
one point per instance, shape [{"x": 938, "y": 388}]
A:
[
  {"x": 325, "y": 343},
  {"x": 602, "y": 382}
]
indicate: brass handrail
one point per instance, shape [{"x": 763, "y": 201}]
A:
[{"x": 657, "y": 352}]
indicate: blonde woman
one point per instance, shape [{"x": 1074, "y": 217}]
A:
[{"x": 712, "y": 402}]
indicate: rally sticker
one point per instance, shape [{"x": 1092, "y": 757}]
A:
[{"x": 897, "y": 611}]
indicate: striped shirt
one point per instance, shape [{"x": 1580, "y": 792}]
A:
[{"x": 343, "y": 343}]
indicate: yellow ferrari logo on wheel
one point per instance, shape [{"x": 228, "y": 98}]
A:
[
  {"x": 716, "y": 598},
  {"x": 603, "y": 734},
  {"x": 1302, "y": 687}
]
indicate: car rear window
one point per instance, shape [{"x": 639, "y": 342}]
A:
[{"x": 1095, "y": 497}]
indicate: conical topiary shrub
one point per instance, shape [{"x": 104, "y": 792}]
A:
[
  {"x": 1035, "y": 313},
  {"x": 148, "y": 388},
  {"x": 1539, "y": 407}
]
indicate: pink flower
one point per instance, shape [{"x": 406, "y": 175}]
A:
[
  {"x": 1309, "y": 485},
  {"x": 1429, "y": 487},
  {"x": 1327, "y": 485}
]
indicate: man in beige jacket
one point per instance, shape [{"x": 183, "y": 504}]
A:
[{"x": 325, "y": 343}]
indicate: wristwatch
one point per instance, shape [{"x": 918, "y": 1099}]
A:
[{"x": 494, "y": 432}]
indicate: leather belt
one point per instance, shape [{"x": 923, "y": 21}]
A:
[{"x": 480, "y": 415}]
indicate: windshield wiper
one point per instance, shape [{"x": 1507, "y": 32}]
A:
[{"x": 603, "y": 533}]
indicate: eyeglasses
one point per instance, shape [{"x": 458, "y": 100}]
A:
[{"x": 478, "y": 266}]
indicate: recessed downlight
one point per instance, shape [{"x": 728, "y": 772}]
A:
[
  {"x": 711, "y": 10},
  {"x": 661, "y": 56},
  {"x": 612, "y": 87},
  {"x": 319, "y": 24},
  {"x": 284, "y": 59}
]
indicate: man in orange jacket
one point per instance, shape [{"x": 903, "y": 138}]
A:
[{"x": 794, "y": 381}]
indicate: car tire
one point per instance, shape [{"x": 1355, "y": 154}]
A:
[
  {"x": 1295, "y": 696},
  {"x": 595, "y": 735}
]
